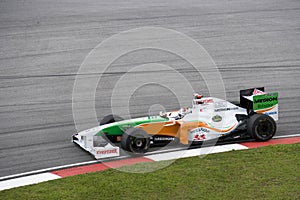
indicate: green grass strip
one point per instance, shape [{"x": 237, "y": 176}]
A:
[{"x": 271, "y": 172}]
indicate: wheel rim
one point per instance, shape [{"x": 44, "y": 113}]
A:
[
  {"x": 265, "y": 128},
  {"x": 138, "y": 144}
]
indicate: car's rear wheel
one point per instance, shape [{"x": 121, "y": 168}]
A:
[
  {"x": 261, "y": 127},
  {"x": 135, "y": 140}
]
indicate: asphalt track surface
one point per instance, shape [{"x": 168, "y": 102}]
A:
[{"x": 43, "y": 43}]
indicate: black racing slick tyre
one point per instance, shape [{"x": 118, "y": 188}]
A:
[
  {"x": 261, "y": 127},
  {"x": 110, "y": 119},
  {"x": 107, "y": 120},
  {"x": 135, "y": 140}
]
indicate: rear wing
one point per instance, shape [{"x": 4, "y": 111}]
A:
[{"x": 257, "y": 100}]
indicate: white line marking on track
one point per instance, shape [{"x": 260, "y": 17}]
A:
[
  {"x": 195, "y": 152},
  {"x": 28, "y": 180},
  {"x": 57, "y": 168},
  {"x": 47, "y": 169},
  {"x": 286, "y": 136},
  {"x": 166, "y": 150}
]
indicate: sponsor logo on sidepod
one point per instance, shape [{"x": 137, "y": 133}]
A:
[
  {"x": 200, "y": 130},
  {"x": 163, "y": 138},
  {"x": 217, "y": 118}
]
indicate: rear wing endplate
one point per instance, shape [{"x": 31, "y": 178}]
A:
[{"x": 260, "y": 102}]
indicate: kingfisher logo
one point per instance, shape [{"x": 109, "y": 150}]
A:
[{"x": 267, "y": 99}]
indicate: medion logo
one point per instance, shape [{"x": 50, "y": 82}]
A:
[{"x": 267, "y": 99}]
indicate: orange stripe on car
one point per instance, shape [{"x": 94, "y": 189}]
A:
[
  {"x": 178, "y": 129},
  {"x": 264, "y": 110}
]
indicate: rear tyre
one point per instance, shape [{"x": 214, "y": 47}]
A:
[
  {"x": 261, "y": 127},
  {"x": 135, "y": 140}
]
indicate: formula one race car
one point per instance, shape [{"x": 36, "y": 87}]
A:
[{"x": 209, "y": 118}]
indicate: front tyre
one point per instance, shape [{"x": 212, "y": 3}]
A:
[
  {"x": 135, "y": 140},
  {"x": 110, "y": 119},
  {"x": 261, "y": 127}
]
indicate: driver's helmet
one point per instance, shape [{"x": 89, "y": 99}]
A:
[
  {"x": 197, "y": 96},
  {"x": 196, "y": 100}
]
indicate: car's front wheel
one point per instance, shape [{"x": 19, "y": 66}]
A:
[
  {"x": 107, "y": 120},
  {"x": 110, "y": 119},
  {"x": 135, "y": 140},
  {"x": 261, "y": 127}
]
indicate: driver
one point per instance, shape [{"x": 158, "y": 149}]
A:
[
  {"x": 182, "y": 112},
  {"x": 175, "y": 115}
]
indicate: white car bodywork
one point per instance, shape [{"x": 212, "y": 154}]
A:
[
  {"x": 217, "y": 117},
  {"x": 218, "y": 114}
]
